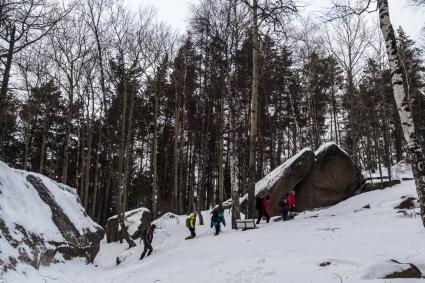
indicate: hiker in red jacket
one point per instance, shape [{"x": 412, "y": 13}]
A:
[
  {"x": 266, "y": 201},
  {"x": 147, "y": 241},
  {"x": 291, "y": 201}
]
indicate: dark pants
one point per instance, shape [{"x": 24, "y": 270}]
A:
[
  {"x": 260, "y": 215},
  {"x": 192, "y": 232},
  {"x": 148, "y": 247},
  {"x": 267, "y": 215},
  {"x": 285, "y": 213},
  {"x": 217, "y": 228}
]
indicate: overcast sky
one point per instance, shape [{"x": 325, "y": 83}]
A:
[{"x": 175, "y": 12}]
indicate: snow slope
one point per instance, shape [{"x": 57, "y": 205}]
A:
[{"x": 358, "y": 243}]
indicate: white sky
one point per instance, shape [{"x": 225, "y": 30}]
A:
[{"x": 176, "y": 12}]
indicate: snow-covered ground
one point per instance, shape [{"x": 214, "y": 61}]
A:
[{"x": 358, "y": 243}]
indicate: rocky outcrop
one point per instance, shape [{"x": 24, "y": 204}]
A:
[
  {"x": 333, "y": 178},
  {"x": 42, "y": 222},
  {"x": 320, "y": 179},
  {"x": 133, "y": 219},
  {"x": 285, "y": 178}
]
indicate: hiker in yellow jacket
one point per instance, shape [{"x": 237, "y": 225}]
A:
[{"x": 190, "y": 224}]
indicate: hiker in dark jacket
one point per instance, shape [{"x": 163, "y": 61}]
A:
[
  {"x": 283, "y": 203},
  {"x": 190, "y": 224},
  {"x": 260, "y": 208},
  {"x": 216, "y": 219},
  {"x": 266, "y": 202},
  {"x": 147, "y": 241},
  {"x": 145, "y": 223}
]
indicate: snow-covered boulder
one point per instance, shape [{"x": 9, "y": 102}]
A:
[
  {"x": 42, "y": 221},
  {"x": 334, "y": 177},
  {"x": 285, "y": 178},
  {"x": 133, "y": 218}
]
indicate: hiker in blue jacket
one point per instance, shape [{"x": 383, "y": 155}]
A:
[{"x": 216, "y": 219}]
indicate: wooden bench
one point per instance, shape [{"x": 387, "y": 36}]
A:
[{"x": 245, "y": 224}]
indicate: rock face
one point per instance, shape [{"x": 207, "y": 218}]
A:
[
  {"x": 42, "y": 222},
  {"x": 133, "y": 218},
  {"x": 333, "y": 178}
]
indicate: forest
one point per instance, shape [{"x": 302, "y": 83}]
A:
[{"x": 109, "y": 100}]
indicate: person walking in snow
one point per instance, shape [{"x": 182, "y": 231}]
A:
[
  {"x": 216, "y": 219},
  {"x": 291, "y": 201},
  {"x": 190, "y": 224},
  {"x": 283, "y": 204},
  {"x": 147, "y": 241},
  {"x": 145, "y": 223},
  {"x": 266, "y": 202},
  {"x": 260, "y": 208}
]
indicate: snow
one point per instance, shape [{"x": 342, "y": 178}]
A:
[
  {"x": 20, "y": 204},
  {"x": 358, "y": 242},
  {"x": 325, "y": 146}
]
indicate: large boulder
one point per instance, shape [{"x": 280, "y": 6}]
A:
[
  {"x": 285, "y": 178},
  {"x": 133, "y": 218},
  {"x": 333, "y": 178},
  {"x": 42, "y": 222}
]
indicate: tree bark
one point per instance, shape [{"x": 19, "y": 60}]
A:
[
  {"x": 414, "y": 148},
  {"x": 120, "y": 182},
  {"x": 8, "y": 66},
  {"x": 220, "y": 153},
  {"x": 68, "y": 128},
  {"x": 253, "y": 113},
  {"x": 43, "y": 145}
]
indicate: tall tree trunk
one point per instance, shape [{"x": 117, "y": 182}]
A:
[
  {"x": 8, "y": 66},
  {"x": 176, "y": 152},
  {"x": 120, "y": 182},
  {"x": 68, "y": 128},
  {"x": 253, "y": 113},
  {"x": 87, "y": 167},
  {"x": 5, "y": 85},
  {"x": 155, "y": 153},
  {"x": 414, "y": 148},
  {"x": 43, "y": 145},
  {"x": 96, "y": 172},
  {"x": 221, "y": 153}
]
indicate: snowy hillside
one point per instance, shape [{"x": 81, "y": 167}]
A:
[
  {"x": 354, "y": 243},
  {"x": 40, "y": 219}
]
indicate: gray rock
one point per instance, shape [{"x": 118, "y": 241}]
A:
[
  {"x": 294, "y": 173},
  {"x": 334, "y": 177}
]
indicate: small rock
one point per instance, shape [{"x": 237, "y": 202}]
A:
[
  {"x": 411, "y": 272},
  {"x": 326, "y": 263},
  {"x": 408, "y": 203}
]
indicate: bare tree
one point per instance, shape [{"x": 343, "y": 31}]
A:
[
  {"x": 414, "y": 148},
  {"x": 348, "y": 38},
  {"x": 276, "y": 13}
]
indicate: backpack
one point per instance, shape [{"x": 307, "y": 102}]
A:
[
  {"x": 188, "y": 222},
  {"x": 215, "y": 216}
]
